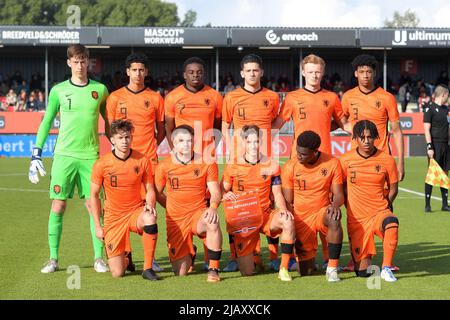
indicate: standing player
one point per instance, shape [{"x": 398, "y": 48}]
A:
[
  {"x": 437, "y": 132},
  {"x": 257, "y": 173},
  {"x": 196, "y": 105},
  {"x": 186, "y": 177},
  {"x": 122, "y": 173},
  {"x": 251, "y": 104},
  {"x": 78, "y": 101},
  {"x": 145, "y": 109},
  {"x": 367, "y": 170},
  {"x": 312, "y": 108},
  {"x": 369, "y": 102},
  {"x": 308, "y": 179}
]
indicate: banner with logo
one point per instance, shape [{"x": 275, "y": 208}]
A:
[
  {"x": 293, "y": 37},
  {"x": 164, "y": 36},
  {"x": 38, "y": 35},
  {"x": 409, "y": 38}
]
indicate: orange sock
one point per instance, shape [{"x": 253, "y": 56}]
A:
[
  {"x": 390, "y": 241},
  {"x": 287, "y": 247},
  {"x": 149, "y": 239},
  {"x": 333, "y": 263},
  {"x": 214, "y": 258}
]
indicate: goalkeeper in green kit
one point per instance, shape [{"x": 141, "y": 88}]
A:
[{"x": 79, "y": 101}]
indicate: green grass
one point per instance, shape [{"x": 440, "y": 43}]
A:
[{"x": 423, "y": 254}]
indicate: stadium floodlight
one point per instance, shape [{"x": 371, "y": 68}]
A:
[
  {"x": 1, "y": 46},
  {"x": 274, "y": 48},
  {"x": 240, "y": 48},
  {"x": 197, "y": 47}
]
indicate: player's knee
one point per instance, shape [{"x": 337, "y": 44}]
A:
[
  {"x": 117, "y": 273},
  {"x": 148, "y": 218},
  {"x": 212, "y": 227},
  {"x": 59, "y": 206},
  {"x": 334, "y": 225},
  {"x": 390, "y": 222}
]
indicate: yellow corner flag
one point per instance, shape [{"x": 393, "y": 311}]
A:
[{"x": 436, "y": 176}]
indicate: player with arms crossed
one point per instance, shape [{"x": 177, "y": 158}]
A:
[
  {"x": 122, "y": 172},
  {"x": 186, "y": 177},
  {"x": 307, "y": 181},
  {"x": 78, "y": 101},
  {"x": 145, "y": 109},
  {"x": 367, "y": 170},
  {"x": 258, "y": 173}
]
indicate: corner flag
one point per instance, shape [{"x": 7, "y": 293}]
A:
[{"x": 436, "y": 176}]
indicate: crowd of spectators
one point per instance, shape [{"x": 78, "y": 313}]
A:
[{"x": 19, "y": 94}]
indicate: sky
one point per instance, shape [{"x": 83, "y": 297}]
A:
[{"x": 313, "y": 13}]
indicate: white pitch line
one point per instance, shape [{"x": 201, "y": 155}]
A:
[
  {"x": 23, "y": 190},
  {"x": 12, "y": 174},
  {"x": 418, "y": 193}
]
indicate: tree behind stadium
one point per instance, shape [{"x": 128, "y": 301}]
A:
[{"x": 94, "y": 12}]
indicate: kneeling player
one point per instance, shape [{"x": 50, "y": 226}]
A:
[
  {"x": 366, "y": 172},
  {"x": 122, "y": 173},
  {"x": 308, "y": 179},
  {"x": 186, "y": 177},
  {"x": 257, "y": 173}
]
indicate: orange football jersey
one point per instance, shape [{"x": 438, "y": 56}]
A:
[
  {"x": 378, "y": 106},
  {"x": 366, "y": 179},
  {"x": 122, "y": 181},
  {"x": 311, "y": 183},
  {"x": 245, "y": 177},
  {"x": 188, "y": 107},
  {"x": 144, "y": 109},
  {"x": 185, "y": 185},
  {"x": 312, "y": 111}
]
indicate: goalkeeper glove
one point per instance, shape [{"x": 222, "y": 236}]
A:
[{"x": 36, "y": 166}]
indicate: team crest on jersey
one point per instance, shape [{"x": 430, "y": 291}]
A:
[
  {"x": 207, "y": 101},
  {"x": 110, "y": 247},
  {"x": 266, "y": 103},
  {"x": 377, "y": 168},
  {"x": 136, "y": 169},
  {"x": 196, "y": 172},
  {"x": 326, "y": 103},
  {"x": 264, "y": 176},
  {"x": 147, "y": 104},
  {"x": 378, "y": 104},
  {"x": 57, "y": 188},
  {"x": 172, "y": 250},
  {"x": 324, "y": 172},
  {"x": 94, "y": 94}
]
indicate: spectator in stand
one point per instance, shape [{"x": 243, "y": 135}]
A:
[
  {"x": 404, "y": 95},
  {"x": 229, "y": 86},
  {"x": 3, "y": 105},
  {"x": 3, "y": 88},
  {"x": 35, "y": 83},
  {"x": 32, "y": 102},
  {"x": 40, "y": 104},
  {"x": 11, "y": 99},
  {"x": 22, "y": 101},
  {"x": 23, "y": 86},
  {"x": 423, "y": 99},
  {"x": 443, "y": 78},
  {"x": 17, "y": 77},
  {"x": 284, "y": 87}
]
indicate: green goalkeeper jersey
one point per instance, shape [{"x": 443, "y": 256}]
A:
[{"x": 79, "y": 107}]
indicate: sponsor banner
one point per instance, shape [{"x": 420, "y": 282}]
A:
[
  {"x": 39, "y": 35},
  {"x": 409, "y": 38},
  {"x": 22, "y": 145},
  {"x": 28, "y": 122},
  {"x": 164, "y": 36},
  {"x": 293, "y": 37}
]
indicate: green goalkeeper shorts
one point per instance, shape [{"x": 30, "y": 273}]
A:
[{"x": 68, "y": 172}]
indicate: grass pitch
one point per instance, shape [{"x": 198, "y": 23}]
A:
[{"x": 423, "y": 254}]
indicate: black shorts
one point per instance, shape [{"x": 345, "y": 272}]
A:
[{"x": 441, "y": 155}]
